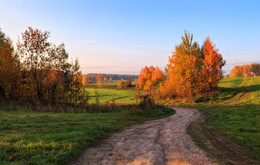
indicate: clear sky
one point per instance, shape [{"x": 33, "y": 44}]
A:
[{"x": 121, "y": 36}]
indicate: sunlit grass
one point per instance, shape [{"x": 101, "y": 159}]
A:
[
  {"x": 109, "y": 95},
  {"x": 235, "y": 112},
  {"x": 57, "y": 138}
]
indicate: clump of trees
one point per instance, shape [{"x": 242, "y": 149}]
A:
[
  {"x": 192, "y": 70},
  {"x": 124, "y": 84},
  {"x": 121, "y": 84},
  {"x": 246, "y": 70},
  {"x": 150, "y": 77},
  {"x": 38, "y": 71}
]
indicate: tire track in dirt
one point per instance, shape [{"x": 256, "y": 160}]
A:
[{"x": 157, "y": 142}]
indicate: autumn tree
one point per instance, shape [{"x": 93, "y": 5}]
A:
[
  {"x": 121, "y": 84},
  {"x": 85, "y": 80},
  {"x": 129, "y": 81},
  {"x": 237, "y": 71},
  {"x": 246, "y": 70},
  {"x": 157, "y": 76},
  {"x": 48, "y": 75},
  {"x": 149, "y": 77},
  {"x": 77, "y": 82},
  {"x": 255, "y": 69},
  {"x": 212, "y": 65},
  {"x": 185, "y": 67},
  {"x": 143, "y": 77},
  {"x": 34, "y": 51},
  {"x": 99, "y": 79},
  {"x": 10, "y": 75},
  {"x": 191, "y": 70}
]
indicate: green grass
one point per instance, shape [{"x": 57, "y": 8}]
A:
[
  {"x": 108, "y": 95},
  {"x": 112, "y": 83},
  {"x": 57, "y": 138},
  {"x": 235, "y": 113}
]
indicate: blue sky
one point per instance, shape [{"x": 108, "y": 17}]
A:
[{"x": 121, "y": 36}]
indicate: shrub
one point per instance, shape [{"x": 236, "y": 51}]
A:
[{"x": 121, "y": 84}]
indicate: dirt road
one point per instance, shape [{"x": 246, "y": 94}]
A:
[{"x": 157, "y": 142}]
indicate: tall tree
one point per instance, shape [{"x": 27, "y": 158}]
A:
[
  {"x": 184, "y": 68},
  {"x": 35, "y": 53},
  {"x": 84, "y": 80},
  {"x": 213, "y": 63},
  {"x": 10, "y": 75},
  {"x": 192, "y": 70}
]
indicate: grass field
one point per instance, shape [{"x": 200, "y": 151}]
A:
[
  {"x": 109, "y": 83},
  {"x": 57, "y": 138},
  {"x": 235, "y": 113},
  {"x": 108, "y": 95}
]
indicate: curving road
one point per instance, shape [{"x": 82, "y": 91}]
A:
[{"x": 157, "y": 142}]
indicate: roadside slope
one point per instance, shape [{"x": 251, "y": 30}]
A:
[{"x": 232, "y": 123}]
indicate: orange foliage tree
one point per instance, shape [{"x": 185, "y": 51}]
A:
[
  {"x": 157, "y": 75},
  {"x": 191, "y": 70},
  {"x": 237, "y": 71},
  {"x": 213, "y": 63},
  {"x": 121, "y": 84},
  {"x": 99, "y": 79},
  {"x": 10, "y": 71},
  {"x": 246, "y": 70},
  {"x": 149, "y": 77},
  {"x": 85, "y": 80}
]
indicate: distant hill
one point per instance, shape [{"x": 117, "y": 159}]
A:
[{"x": 92, "y": 77}]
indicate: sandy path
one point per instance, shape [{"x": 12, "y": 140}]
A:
[{"x": 157, "y": 142}]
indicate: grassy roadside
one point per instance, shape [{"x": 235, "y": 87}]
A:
[
  {"x": 232, "y": 116},
  {"x": 57, "y": 138}
]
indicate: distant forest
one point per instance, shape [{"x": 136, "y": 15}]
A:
[{"x": 92, "y": 77}]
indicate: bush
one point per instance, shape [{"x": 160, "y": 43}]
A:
[
  {"x": 146, "y": 101},
  {"x": 121, "y": 84}
]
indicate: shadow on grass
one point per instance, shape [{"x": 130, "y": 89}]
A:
[{"x": 251, "y": 88}]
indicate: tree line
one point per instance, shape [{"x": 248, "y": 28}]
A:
[
  {"x": 245, "y": 70},
  {"x": 92, "y": 77},
  {"x": 38, "y": 71}
]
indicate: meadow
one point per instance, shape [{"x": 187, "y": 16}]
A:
[
  {"x": 234, "y": 114},
  {"x": 109, "y": 93},
  {"x": 57, "y": 138},
  {"x": 106, "y": 95}
]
